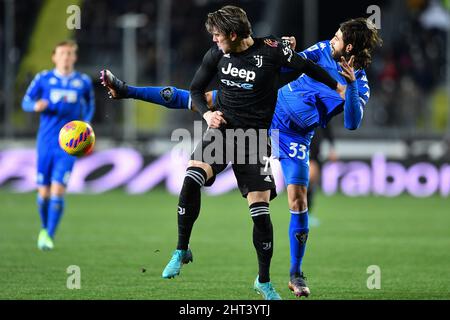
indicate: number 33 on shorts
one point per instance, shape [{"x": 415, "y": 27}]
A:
[{"x": 298, "y": 151}]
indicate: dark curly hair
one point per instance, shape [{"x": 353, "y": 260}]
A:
[
  {"x": 229, "y": 19},
  {"x": 363, "y": 36}
]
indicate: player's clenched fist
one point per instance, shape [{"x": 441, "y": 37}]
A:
[
  {"x": 292, "y": 41},
  {"x": 214, "y": 119},
  {"x": 41, "y": 105}
]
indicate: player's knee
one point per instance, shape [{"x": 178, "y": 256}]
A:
[
  {"x": 298, "y": 201},
  {"x": 258, "y": 197},
  {"x": 195, "y": 177},
  {"x": 206, "y": 167},
  {"x": 57, "y": 190},
  {"x": 44, "y": 192}
]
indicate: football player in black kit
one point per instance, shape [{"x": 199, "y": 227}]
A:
[{"x": 247, "y": 69}]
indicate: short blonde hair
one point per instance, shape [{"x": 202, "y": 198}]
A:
[{"x": 69, "y": 43}]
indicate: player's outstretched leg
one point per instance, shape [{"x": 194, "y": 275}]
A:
[
  {"x": 169, "y": 97},
  {"x": 298, "y": 235},
  {"x": 188, "y": 212},
  {"x": 263, "y": 242}
]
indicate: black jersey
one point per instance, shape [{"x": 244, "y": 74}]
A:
[{"x": 248, "y": 81}]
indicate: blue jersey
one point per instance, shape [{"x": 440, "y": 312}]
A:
[
  {"x": 70, "y": 98},
  {"x": 305, "y": 103}
]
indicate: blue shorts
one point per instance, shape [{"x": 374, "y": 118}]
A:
[
  {"x": 292, "y": 150},
  {"x": 54, "y": 165}
]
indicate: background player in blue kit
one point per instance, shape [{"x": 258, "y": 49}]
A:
[
  {"x": 60, "y": 96},
  {"x": 302, "y": 106}
]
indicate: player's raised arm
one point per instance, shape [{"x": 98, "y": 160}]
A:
[
  {"x": 297, "y": 62},
  {"x": 354, "y": 102}
]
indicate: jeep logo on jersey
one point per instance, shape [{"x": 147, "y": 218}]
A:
[{"x": 241, "y": 73}]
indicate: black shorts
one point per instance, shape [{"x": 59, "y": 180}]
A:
[{"x": 249, "y": 153}]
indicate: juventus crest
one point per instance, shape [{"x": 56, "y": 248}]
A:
[{"x": 259, "y": 60}]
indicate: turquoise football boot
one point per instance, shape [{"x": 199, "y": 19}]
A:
[
  {"x": 179, "y": 258},
  {"x": 266, "y": 290}
]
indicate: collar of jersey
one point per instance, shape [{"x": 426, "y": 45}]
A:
[{"x": 60, "y": 76}]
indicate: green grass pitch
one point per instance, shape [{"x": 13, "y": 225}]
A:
[{"x": 113, "y": 236}]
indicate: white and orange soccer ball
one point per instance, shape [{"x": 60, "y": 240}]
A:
[{"x": 77, "y": 138}]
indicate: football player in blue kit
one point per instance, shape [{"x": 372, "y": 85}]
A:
[
  {"x": 302, "y": 106},
  {"x": 60, "y": 95}
]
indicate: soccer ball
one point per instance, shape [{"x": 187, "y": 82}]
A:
[{"x": 77, "y": 138}]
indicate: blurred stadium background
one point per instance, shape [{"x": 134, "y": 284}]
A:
[{"x": 385, "y": 202}]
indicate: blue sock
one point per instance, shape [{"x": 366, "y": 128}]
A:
[
  {"x": 43, "y": 210},
  {"x": 55, "y": 212},
  {"x": 169, "y": 97},
  {"x": 298, "y": 235}
]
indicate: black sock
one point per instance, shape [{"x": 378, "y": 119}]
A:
[
  {"x": 262, "y": 238},
  {"x": 189, "y": 204}
]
